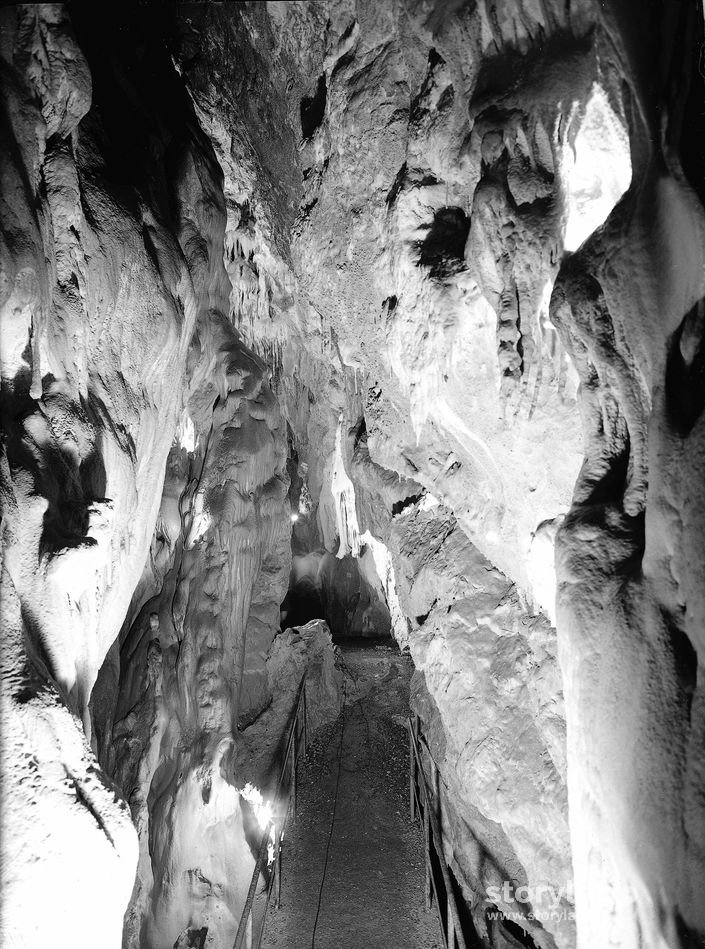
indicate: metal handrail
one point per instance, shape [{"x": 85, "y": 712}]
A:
[
  {"x": 452, "y": 932},
  {"x": 296, "y": 735}
]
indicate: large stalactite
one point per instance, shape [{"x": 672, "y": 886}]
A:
[{"x": 441, "y": 264}]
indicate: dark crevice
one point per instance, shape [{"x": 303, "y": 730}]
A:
[
  {"x": 446, "y": 99},
  {"x": 689, "y": 938},
  {"x": 424, "y": 616},
  {"x": 360, "y": 435},
  {"x": 434, "y": 59},
  {"x": 443, "y": 249},
  {"x": 611, "y": 486},
  {"x": 686, "y": 130},
  {"x": 150, "y": 248},
  {"x": 505, "y": 931},
  {"x": 399, "y": 506},
  {"x": 313, "y": 109},
  {"x": 398, "y": 184},
  {"x": 85, "y": 800},
  {"x": 520, "y": 340},
  {"x": 418, "y": 106},
  {"x": 685, "y": 371},
  {"x": 192, "y": 939},
  {"x": 685, "y": 662}
]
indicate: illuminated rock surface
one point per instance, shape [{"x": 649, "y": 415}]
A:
[{"x": 429, "y": 278}]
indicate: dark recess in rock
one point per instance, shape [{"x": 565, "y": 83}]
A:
[
  {"x": 685, "y": 660},
  {"x": 192, "y": 939},
  {"x": 691, "y": 147},
  {"x": 420, "y": 105},
  {"x": 313, "y": 109},
  {"x": 360, "y": 434},
  {"x": 446, "y": 99},
  {"x": 685, "y": 371},
  {"x": 443, "y": 249},
  {"x": 434, "y": 59},
  {"x": 689, "y": 939},
  {"x": 421, "y": 619},
  {"x": 399, "y": 506},
  {"x": 398, "y": 184},
  {"x": 513, "y": 934},
  {"x": 525, "y": 65}
]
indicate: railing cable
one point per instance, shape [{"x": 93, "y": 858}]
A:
[
  {"x": 421, "y": 802},
  {"x": 297, "y": 735}
]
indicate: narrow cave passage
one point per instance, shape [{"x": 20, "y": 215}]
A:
[
  {"x": 336, "y": 590},
  {"x": 353, "y": 863},
  {"x": 322, "y": 324}
]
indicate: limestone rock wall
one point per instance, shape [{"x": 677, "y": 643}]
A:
[
  {"x": 488, "y": 690},
  {"x": 99, "y": 301},
  {"x": 182, "y": 763},
  {"x": 116, "y": 345},
  {"x": 628, "y": 303}
]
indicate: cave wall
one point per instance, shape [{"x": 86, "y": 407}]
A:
[
  {"x": 181, "y": 760},
  {"x": 491, "y": 703},
  {"x": 120, "y": 364},
  {"x": 99, "y": 302},
  {"x": 628, "y": 553}
]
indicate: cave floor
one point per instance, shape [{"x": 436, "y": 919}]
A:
[{"x": 353, "y": 863}]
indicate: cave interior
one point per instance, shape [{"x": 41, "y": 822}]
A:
[{"x": 356, "y": 344}]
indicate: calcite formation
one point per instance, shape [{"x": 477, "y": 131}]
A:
[{"x": 423, "y": 283}]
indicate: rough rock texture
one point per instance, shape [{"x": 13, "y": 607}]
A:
[
  {"x": 420, "y": 247},
  {"x": 214, "y": 617},
  {"x": 491, "y": 703},
  {"x": 115, "y": 339},
  {"x": 430, "y": 271},
  {"x": 630, "y": 554},
  {"x": 99, "y": 300}
]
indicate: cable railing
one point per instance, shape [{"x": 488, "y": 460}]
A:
[
  {"x": 250, "y": 932},
  {"x": 426, "y": 804}
]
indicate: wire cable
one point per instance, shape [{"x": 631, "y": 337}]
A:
[{"x": 347, "y": 672}]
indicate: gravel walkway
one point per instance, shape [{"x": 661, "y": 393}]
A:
[{"x": 353, "y": 867}]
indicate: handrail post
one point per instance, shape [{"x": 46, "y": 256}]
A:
[
  {"x": 412, "y": 774},
  {"x": 437, "y": 792},
  {"x": 427, "y": 857},
  {"x": 436, "y": 802},
  {"x": 293, "y": 780},
  {"x": 431, "y": 811},
  {"x": 278, "y": 872}
]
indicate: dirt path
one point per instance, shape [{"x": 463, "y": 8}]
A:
[{"x": 353, "y": 867}]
